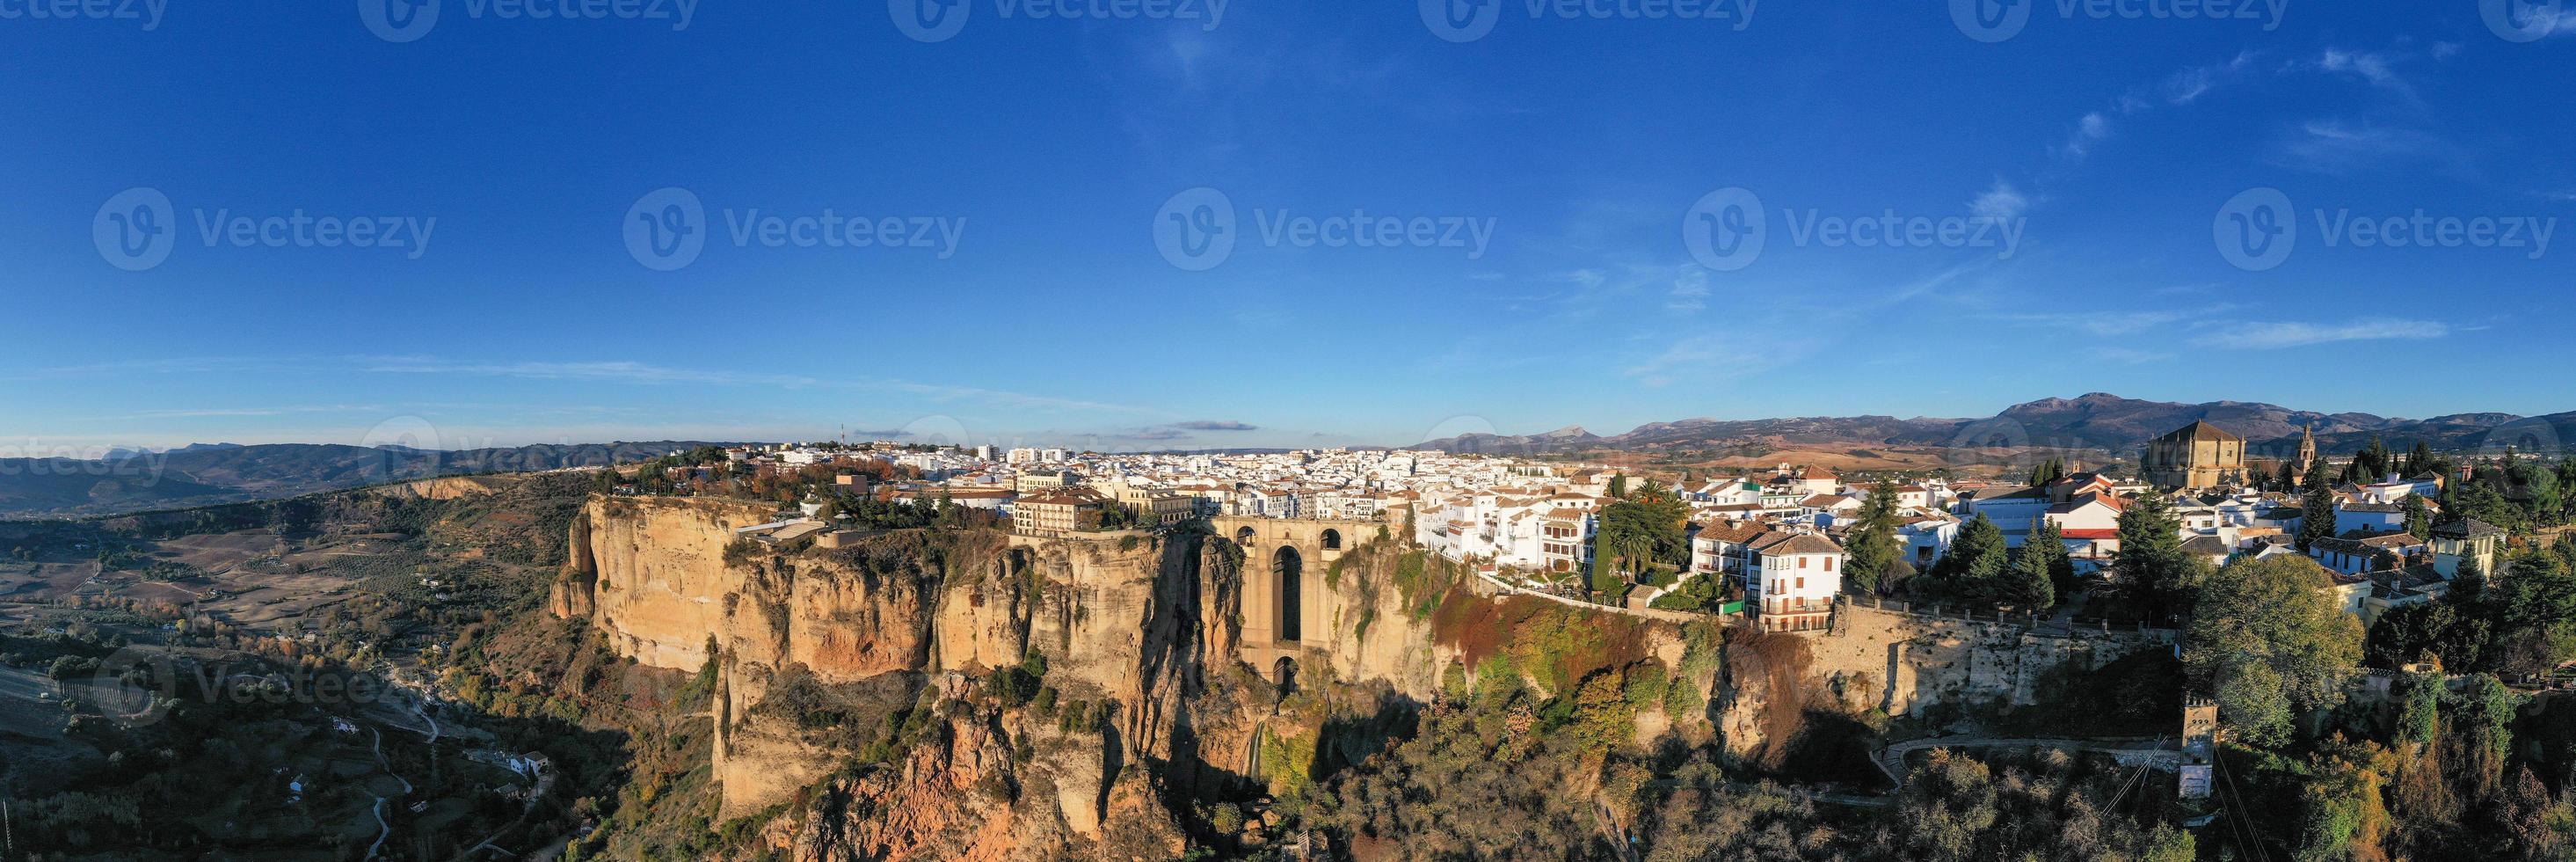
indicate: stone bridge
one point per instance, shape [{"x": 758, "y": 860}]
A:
[{"x": 1287, "y": 606}]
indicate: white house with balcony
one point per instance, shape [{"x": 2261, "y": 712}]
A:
[{"x": 1792, "y": 584}]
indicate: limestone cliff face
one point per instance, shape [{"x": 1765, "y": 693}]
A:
[
  {"x": 1904, "y": 664},
  {"x": 651, "y": 571},
  {"x": 1118, "y": 619}
]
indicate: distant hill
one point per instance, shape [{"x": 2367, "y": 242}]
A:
[
  {"x": 2096, "y": 421},
  {"x": 199, "y": 475}
]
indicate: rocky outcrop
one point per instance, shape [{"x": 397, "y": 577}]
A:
[
  {"x": 1903, "y": 664},
  {"x": 1118, "y": 621}
]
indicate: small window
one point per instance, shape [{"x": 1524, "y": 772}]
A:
[
  {"x": 1802, "y": 562},
  {"x": 1802, "y": 583}
]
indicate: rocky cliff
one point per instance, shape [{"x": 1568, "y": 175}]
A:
[
  {"x": 1901, "y": 664},
  {"x": 974, "y": 694},
  {"x": 900, "y": 642}
]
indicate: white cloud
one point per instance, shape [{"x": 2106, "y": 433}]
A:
[
  {"x": 1690, "y": 291},
  {"x": 2001, "y": 201},
  {"x": 1704, "y": 355},
  {"x": 2274, "y": 336}
]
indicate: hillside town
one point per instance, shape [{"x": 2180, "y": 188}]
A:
[{"x": 1780, "y": 546}]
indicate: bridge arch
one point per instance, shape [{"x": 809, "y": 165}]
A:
[
  {"x": 1287, "y": 608},
  {"x": 1288, "y": 596}
]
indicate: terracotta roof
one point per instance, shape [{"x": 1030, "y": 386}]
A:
[
  {"x": 2200, "y": 431},
  {"x": 1799, "y": 543}
]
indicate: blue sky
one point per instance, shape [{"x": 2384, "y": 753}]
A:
[{"x": 1542, "y": 177}]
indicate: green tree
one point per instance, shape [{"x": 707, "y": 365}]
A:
[
  {"x": 2047, "y": 471},
  {"x": 2372, "y": 463},
  {"x": 2268, "y": 643},
  {"x": 2027, "y": 585},
  {"x": 2344, "y": 817},
  {"x": 2050, "y": 544},
  {"x": 1975, "y": 565},
  {"x": 2419, "y": 518},
  {"x": 2418, "y": 459},
  {"x": 2150, "y": 566},
  {"x": 2420, "y": 721},
  {"x": 1873, "y": 548},
  {"x": 2316, "y": 514}
]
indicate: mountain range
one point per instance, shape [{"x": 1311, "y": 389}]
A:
[
  {"x": 205, "y": 474},
  {"x": 2099, "y": 422}
]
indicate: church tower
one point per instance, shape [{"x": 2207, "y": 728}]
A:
[{"x": 2307, "y": 454}]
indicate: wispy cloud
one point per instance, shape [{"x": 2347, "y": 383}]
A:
[
  {"x": 2109, "y": 323},
  {"x": 1690, "y": 291},
  {"x": 1705, "y": 355},
  {"x": 2177, "y": 90},
  {"x": 2131, "y": 356},
  {"x": 1213, "y": 425},
  {"x": 2284, "y": 334},
  {"x": 613, "y": 371},
  {"x": 2337, "y": 146},
  {"x": 2000, "y": 201}
]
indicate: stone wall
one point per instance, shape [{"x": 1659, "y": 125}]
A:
[{"x": 1906, "y": 663}]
